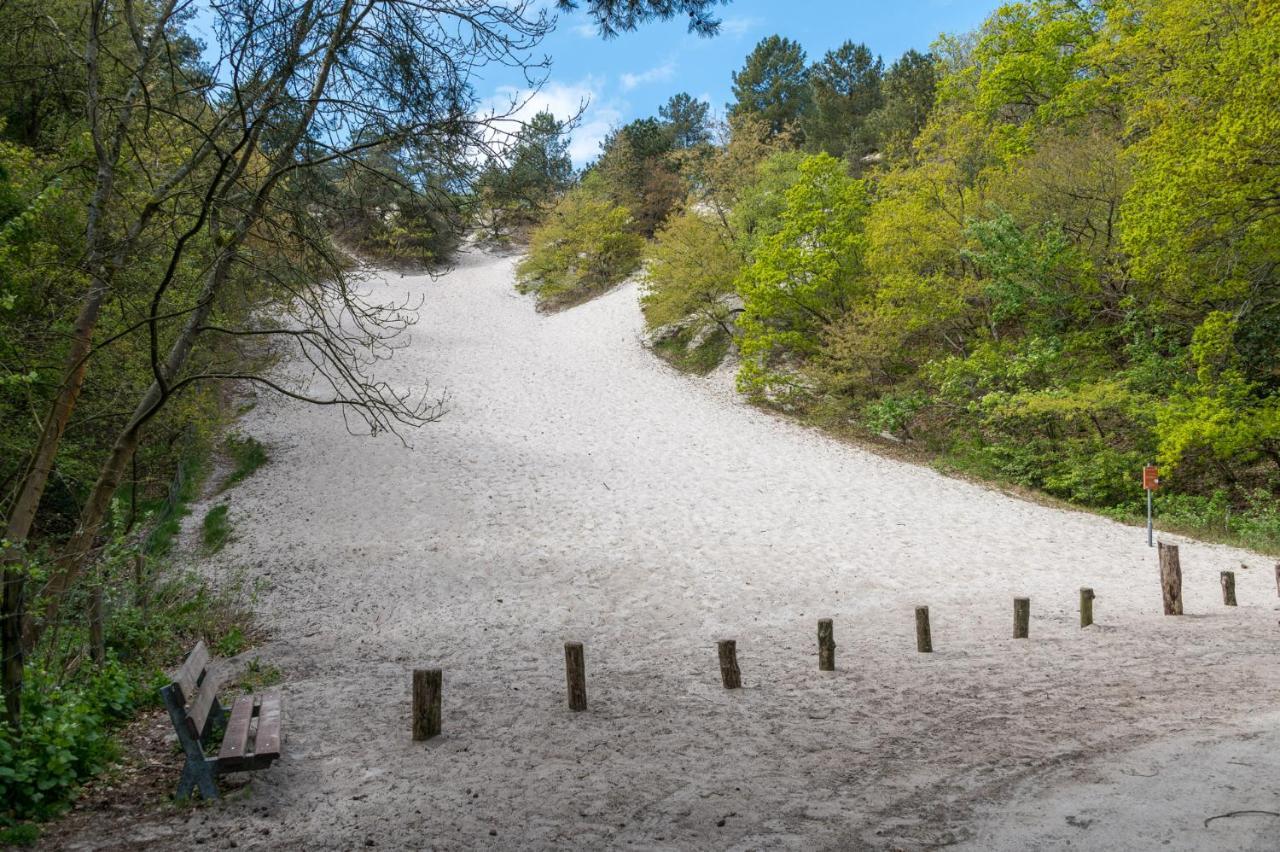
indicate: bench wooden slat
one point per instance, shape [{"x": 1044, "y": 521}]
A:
[
  {"x": 188, "y": 676},
  {"x": 266, "y": 744},
  {"x": 198, "y": 710},
  {"x": 237, "y": 736}
]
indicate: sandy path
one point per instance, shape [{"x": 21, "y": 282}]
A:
[{"x": 579, "y": 489}]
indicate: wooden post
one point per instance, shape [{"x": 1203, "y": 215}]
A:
[
  {"x": 427, "y": 685},
  {"x": 1086, "y": 607},
  {"x": 1170, "y": 578},
  {"x": 575, "y": 673},
  {"x": 1228, "y": 579},
  {"x": 1021, "y": 617},
  {"x": 826, "y": 646},
  {"x": 924, "y": 641},
  {"x": 1278, "y": 578},
  {"x": 729, "y": 671}
]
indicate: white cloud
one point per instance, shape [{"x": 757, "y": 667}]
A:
[
  {"x": 736, "y": 27},
  {"x": 586, "y": 30},
  {"x": 582, "y": 99},
  {"x": 657, "y": 74}
]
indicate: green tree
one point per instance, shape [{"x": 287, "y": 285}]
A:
[
  {"x": 773, "y": 85},
  {"x": 517, "y": 188},
  {"x": 845, "y": 90},
  {"x": 907, "y": 90},
  {"x": 637, "y": 172},
  {"x": 1200, "y": 220},
  {"x": 691, "y": 272},
  {"x": 803, "y": 277},
  {"x": 686, "y": 116},
  {"x": 1220, "y": 413}
]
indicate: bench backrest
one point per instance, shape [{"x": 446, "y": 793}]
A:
[{"x": 194, "y": 692}]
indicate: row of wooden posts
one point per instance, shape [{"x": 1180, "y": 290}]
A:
[{"x": 427, "y": 682}]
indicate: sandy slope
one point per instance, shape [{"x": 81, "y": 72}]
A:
[{"x": 579, "y": 489}]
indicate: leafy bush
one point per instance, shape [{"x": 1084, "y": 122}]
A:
[
  {"x": 1256, "y": 524},
  {"x": 692, "y": 265},
  {"x": 583, "y": 248},
  {"x": 893, "y": 413},
  {"x": 65, "y": 739}
]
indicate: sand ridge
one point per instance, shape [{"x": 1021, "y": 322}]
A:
[{"x": 580, "y": 489}]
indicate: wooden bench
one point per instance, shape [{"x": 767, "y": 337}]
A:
[{"x": 252, "y": 727}]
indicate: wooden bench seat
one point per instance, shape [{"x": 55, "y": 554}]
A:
[{"x": 251, "y": 736}]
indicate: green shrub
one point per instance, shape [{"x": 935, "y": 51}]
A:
[
  {"x": 689, "y": 355},
  {"x": 583, "y": 248},
  {"x": 65, "y": 739},
  {"x": 1256, "y": 524},
  {"x": 893, "y": 413},
  {"x": 692, "y": 266},
  {"x": 25, "y": 834},
  {"x": 216, "y": 529}
]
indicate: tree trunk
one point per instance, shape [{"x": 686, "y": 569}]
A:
[{"x": 15, "y": 588}]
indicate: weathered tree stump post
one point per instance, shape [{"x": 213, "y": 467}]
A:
[
  {"x": 575, "y": 673},
  {"x": 1170, "y": 578},
  {"x": 1086, "y": 607},
  {"x": 1228, "y": 580},
  {"x": 729, "y": 672},
  {"x": 924, "y": 641},
  {"x": 1021, "y": 617},
  {"x": 826, "y": 646},
  {"x": 427, "y": 685}
]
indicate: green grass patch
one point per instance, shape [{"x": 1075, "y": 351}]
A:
[
  {"x": 216, "y": 529},
  {"x": 258, "y": 676},
  {"x": 698, "y": 360},
  {"x": 193, "y": 470},
  {"x": 25, "y": 834},
  {"x": 247, "y": 454}
]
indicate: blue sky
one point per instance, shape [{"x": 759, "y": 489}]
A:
[{"x": 632, "y": 75}]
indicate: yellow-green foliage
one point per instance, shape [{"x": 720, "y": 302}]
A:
[
  {"x": 1219, "y": 412},
  {"x": 1073, "y": 270},
  {"x": 692, "y": 266},
  {"x": 1200, "y": 220},
  {"x": 584, "y": 246},
  {"x": 803, "y": 276}
]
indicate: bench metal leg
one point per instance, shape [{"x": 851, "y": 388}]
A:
[
  {"x": 197, "y": 771},
  {"x": 197, "y": 776}
]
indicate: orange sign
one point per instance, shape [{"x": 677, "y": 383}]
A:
[{"x": 1151, "y": 477}]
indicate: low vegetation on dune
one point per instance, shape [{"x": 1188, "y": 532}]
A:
[{"x": 1043, "y": 254}]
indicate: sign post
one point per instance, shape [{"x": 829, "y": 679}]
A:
[{"x": 1150, "y": 482}]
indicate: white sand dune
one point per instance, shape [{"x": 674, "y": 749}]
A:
[{"x": 579, "y": 489}]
